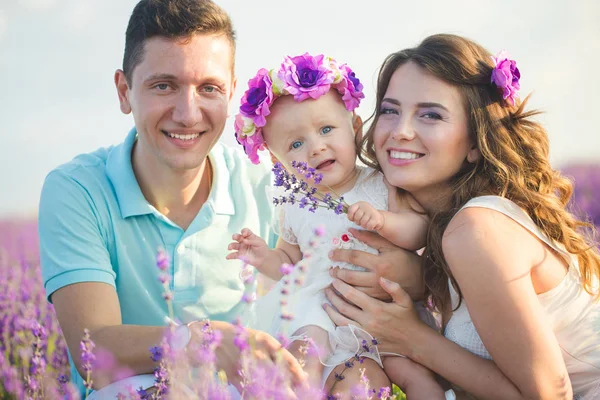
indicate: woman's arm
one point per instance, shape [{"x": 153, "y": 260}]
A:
[{"x": 491, "y": 257}]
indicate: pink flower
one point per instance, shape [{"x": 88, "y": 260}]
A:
[
  {"x": 258, "y": 98},
  {"x": 345, "y": 237},
  {"x": 252, "y": 144},
  {"x": 350, "y": 88},
  {"x": 505, "y": 76},
  {"x": 306, "y": 76}
]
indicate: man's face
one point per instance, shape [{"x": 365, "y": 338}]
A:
[{"x": 179, "y": 96}]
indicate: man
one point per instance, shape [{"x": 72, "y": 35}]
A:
[
  {"x": 169, "y": 185},
  {"x": 104, "y": 215}
]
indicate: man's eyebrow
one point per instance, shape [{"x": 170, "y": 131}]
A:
[
  {"x": 158, "y": 77},
  {"x": 420, "y": 105}
]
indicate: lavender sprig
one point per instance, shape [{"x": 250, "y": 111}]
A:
[
  {"x": 310, "y": 196},
  {"x": 87, "y": 359},
  {"x": 366, "y": 347}
]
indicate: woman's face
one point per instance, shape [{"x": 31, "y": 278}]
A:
[{"x": 421, "y": 139}]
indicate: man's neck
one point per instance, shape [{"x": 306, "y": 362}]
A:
[{"x": 178, "y": 195}]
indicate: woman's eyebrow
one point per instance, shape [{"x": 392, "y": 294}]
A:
[{"x": 427, "y": 104}]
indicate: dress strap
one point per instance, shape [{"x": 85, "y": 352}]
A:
[{"x": 517, "y": 214}]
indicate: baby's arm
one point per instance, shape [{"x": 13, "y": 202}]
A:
[
  {"x": 255, "y": 251},
  {"x": 406, "y": 228}
]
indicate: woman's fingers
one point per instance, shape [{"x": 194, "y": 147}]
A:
[
  {"x": 344, "y": 307},
  {"x": 356, "y": 257},
  {"x": 336, "y": 317},
  {"x": 354, "y": 278},
  {"x": 372, "y": 239},
  {"x": 362, "y": 301},
  {"x": 399, "y": 296}
]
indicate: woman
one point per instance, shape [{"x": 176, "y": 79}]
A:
[{"x": 506, "y": 264}]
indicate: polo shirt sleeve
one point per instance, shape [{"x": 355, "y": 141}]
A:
[{"x": 72, "y": 247}]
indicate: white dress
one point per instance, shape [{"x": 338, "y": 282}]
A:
[
  {"x": 305, "y": 302},
  {"x": 573, "y": 314}
]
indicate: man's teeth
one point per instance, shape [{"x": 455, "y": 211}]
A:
[
  {"x": 183, "y": 137},
  {"x": 403, "y": 155}
]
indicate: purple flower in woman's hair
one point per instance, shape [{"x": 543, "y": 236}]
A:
[
  {"x": 258, "y": 98},
  {"x": 306, "y": 76},
  {"x": 505, "y": 76}
]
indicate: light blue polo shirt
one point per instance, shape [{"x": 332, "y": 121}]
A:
[{"x": 96, "y": 226}]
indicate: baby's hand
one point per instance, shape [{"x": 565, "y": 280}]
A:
[
  {"x": 365, "y": 215},
  {"x": 248, "y": 247}
]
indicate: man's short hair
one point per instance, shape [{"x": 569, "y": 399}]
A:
[{"x": 172, "y": 19}]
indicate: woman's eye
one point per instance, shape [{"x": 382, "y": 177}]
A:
[
  {"x": 387, "y": 110},
  {"x": 432, "y": 115},
  {"x": 296, "y": 145},
  {"x": 326, "y": 129}
]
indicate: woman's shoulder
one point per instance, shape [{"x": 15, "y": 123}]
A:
[{"x": 491, "y": 224}]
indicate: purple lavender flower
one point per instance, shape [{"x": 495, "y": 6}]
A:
[
  {"x": 156, "y": 353},
  {"x": 162, "y": 260}
]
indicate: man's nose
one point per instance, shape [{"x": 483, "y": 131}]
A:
[{"x": 187, "y": 110}]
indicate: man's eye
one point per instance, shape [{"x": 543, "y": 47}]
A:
[
  {"x": 209, "y": 89},
  {"x": 162, "y": 86}
]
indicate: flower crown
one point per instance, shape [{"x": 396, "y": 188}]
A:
[
  {"x": 505, "y": 76},
  {"x": 303, "y": 77}
]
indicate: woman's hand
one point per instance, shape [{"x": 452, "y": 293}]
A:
[
  {"x": 392, "y": 263},
  {"x": 392, "y": 324}
]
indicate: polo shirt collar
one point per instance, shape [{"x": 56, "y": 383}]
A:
[
  {"x": 130, "y": 197},
  {"x": 120, "y": 172},
  {"x": 221, "y": 198}
]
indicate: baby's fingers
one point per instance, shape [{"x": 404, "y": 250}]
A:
[
  {"x": 232, "y": 256},
  {"x": 233, "y": 246}
]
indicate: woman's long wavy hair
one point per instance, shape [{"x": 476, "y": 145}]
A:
[{"x": 513, "y": 164}]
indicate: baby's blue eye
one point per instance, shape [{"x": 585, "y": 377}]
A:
[
  {"x": 296, "y": 144},
  {"x": 326, "y": 129}
]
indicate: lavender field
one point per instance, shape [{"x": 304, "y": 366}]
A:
[{"x": 33, "y": 357}]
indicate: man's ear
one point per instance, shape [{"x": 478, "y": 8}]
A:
[
  {"x": 357, "y": 126},
  {"x": 122, "y": 91},
  {"x": 473, "y": 155}
]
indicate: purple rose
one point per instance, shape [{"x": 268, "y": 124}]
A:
[
  {"x": 306, "y": 76},
  {"x": 350, "y": 88},
  {"x": 505, "y": 76},
  {"x": 258, "y": 98}
]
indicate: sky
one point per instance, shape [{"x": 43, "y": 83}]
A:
[{"x": 58, "y": 57}]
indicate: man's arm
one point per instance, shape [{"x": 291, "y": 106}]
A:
[
  {"x": 95, "y": 306},
  {"x": 79, "y": 277}
]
